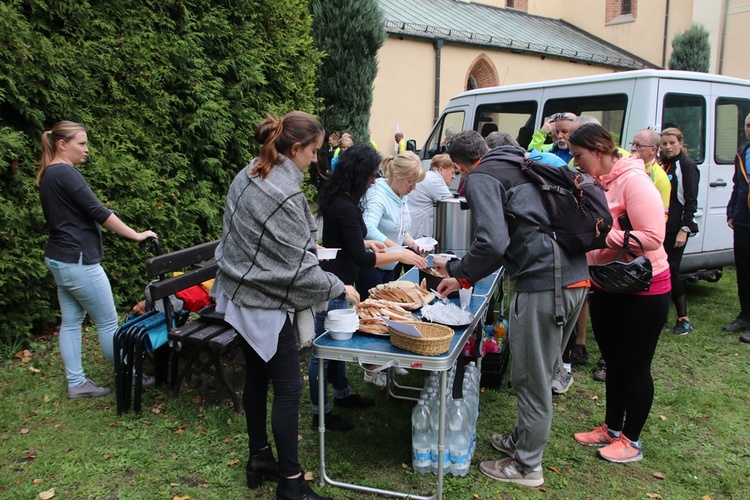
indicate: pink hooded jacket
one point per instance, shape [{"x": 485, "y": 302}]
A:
[{"x": 630, "y": 190}]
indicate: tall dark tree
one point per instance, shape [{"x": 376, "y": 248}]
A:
[
  {"x": 691, "y": 50},
  {"x": 350, "y": 33}
]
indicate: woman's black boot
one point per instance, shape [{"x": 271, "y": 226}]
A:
[
  {"x": 296, "y": 489},
  {"x": 261, "y": 465}
]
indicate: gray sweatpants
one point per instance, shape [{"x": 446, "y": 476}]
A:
[{"x": 535, "y": 344}]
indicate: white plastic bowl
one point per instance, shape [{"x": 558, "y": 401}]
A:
[
  {"x": 327, "y": 253},
  {"x": 394, "y": 249},
  {"x": 341, "y": 335},
  {"x": 341, "y": 313},
  {"x": 342, "y": 325},
  {"x": 426, "y": 244},
  {"x": 442, "y": 258}
]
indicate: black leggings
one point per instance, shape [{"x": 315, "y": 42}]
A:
[
  {"x": 674, "y": 257},
  {"x": 283, "y": 371},
  {"x": 627, "y": 329}
]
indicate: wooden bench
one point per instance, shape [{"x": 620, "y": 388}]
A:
[{"x": 200, "y": 344}]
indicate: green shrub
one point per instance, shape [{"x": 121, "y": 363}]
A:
[{"x": 171, "y": 94}]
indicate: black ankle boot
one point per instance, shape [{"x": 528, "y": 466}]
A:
[
  {"x": 261, "y": 465},
  {"x": 296, "y": 489}
]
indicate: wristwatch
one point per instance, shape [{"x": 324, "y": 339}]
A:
[{"x": 686, "y": 229}]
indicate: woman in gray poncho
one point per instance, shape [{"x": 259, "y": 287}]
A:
[{"x": 268, "y": 265}]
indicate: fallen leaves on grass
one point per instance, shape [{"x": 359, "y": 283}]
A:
[
  {"x": 24, "y": 356},
  {"x": 176, "y": 497},
  {"x": 107, "y": 457},
  {"x": 653, "y": 495},
  {"x": 46, "y": 495},
  {"x": 308, "y": 476},
  {"x": 554, "y": 469},
  {"x": 33, "y": 370},
  {"x": 233, "y": 463},
  {"x": 24, "y": 431},
  {"x": 659, "y": 475},
  {"x": 663, "y": 418}
]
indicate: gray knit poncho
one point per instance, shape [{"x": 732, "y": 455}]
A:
[{"x": 267, "y": 256}]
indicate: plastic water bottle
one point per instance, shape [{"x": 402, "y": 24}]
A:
[
  {"x": 458, "y": 439},
  {"x": 435, "y": 428},
  {"x": 420, "y": 438}
]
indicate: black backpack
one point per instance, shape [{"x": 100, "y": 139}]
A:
[
  {"x": 579, "y": 214},
  {"x": 578, "y": 211}
]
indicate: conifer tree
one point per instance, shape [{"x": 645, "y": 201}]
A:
[
  {"x": 350, "y": 33},
  {"x": 691, "y": 50}
]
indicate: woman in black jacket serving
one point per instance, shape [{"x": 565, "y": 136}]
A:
[
  {"x": 344, "y": 228},
  {"x": 684, "y": 177}
]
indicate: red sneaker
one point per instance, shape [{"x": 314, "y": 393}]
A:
[
  {"x": 622, "y": 450},
  {"x": 597, "y": 437}
]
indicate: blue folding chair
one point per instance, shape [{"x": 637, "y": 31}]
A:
[{"x": 134, "y": 340}]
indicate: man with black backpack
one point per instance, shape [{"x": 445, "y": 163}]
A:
[{"x": 513, "y": 229}]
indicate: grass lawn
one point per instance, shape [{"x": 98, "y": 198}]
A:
[{"x": 696, "y": 442}]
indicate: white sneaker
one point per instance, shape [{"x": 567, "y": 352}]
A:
[
  {"x": 561, "y": 383},
  {"x": 378, "y": 379}
]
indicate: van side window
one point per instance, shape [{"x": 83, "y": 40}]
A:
[
  {"x": 515, "y": 118},
  {"x": 450, "y": 124},
  {"x": 687, "y": 113},
  {"x": 730, "y": 128},
  {"x": 608, "y": 109}
]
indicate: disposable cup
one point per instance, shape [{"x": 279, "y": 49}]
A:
[{"x": 464, "y": 296}]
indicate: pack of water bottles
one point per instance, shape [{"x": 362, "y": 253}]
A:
[{"x": 461, "y": 424}]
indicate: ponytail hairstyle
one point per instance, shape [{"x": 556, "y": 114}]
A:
[
  {"x": 594, "y": 137},
  {"x": 62, "y": 130},
  {"x": 403, "y": 165},
  {"x": 278, "y": 135}
]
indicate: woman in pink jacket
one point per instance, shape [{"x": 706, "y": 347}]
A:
[{"x": 626, "y": 325}]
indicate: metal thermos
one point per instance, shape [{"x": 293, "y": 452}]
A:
[{"x": 454, "y": 227}]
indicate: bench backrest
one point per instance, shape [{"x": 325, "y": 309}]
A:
[{"x": 199, "y": 256}]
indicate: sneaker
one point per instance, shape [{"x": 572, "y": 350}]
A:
[
  {"x": 682, "y": 327},
  {"x": 353, "y": 401},
  {"x": 504, "y": 443},
  {"x": 333, "y": 423},
  {"x": 600, "y": 372},
  {"x": 400, "y": 371},
  {"x": 622, "y": 450},
  {"x": 598, "y": 437},
  {"x": 745, "y": 338},
  {"x": 738, "y": 325},
  {"x": 576, "y": 355},
  {"x": 88, "y": 390},
  {"x": 561, "y": 383},
  {"x": 509, "y": 471},
  {"x": 378, "y": 379}
]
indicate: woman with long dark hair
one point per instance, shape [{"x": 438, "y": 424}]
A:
[
  {"x": 268, "y": 266},
  {"x": 684, "y": 177},
  {"x": 626, "y": 325},
  {"x": 74, "y": 250},
  {"x": 340, "y": 204}
]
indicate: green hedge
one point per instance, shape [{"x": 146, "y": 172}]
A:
[{"x": 171, "y": 93}]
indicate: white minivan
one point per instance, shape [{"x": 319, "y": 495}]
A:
[{"x": 709, "y": 109}]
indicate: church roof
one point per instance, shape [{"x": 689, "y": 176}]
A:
[{"x": 463, "y": 22}]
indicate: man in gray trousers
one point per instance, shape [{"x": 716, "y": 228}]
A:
[{"x": 506, "y": 207}]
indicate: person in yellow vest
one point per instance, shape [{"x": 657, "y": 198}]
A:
[
  {"x": 646, "y": 145},
  {"x": 400, "y": 141}
]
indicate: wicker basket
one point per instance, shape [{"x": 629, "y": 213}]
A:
[{"x": 436, "y": 338}]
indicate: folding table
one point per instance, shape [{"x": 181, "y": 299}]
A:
[{"x": 367, "y": 349}]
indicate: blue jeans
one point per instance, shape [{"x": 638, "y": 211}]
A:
[
  {"x": 333, "y": 371},
  {"x": 83, "y": 289}
]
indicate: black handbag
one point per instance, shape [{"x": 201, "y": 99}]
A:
[{"x": 624, "y": 277}]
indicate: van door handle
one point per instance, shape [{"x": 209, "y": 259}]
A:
[{"x": 718, "y": 183}]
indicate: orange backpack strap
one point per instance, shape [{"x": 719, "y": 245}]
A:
[{"x": 743, "y": 169}]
